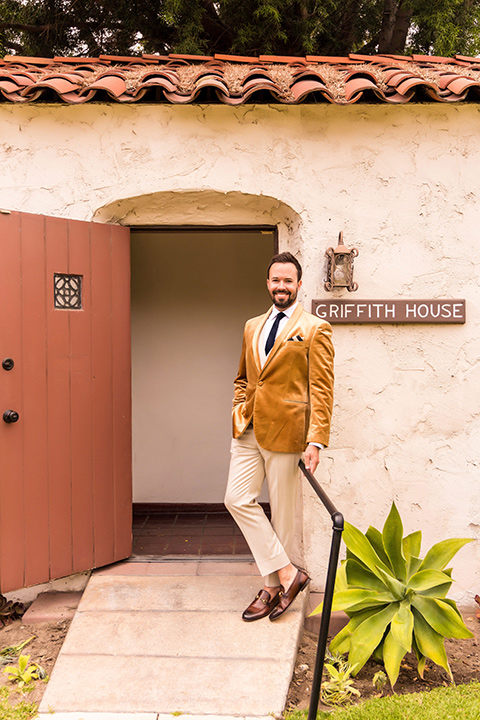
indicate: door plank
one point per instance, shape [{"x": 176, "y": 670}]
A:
[
  {"x": 102, "y": 357},
  {"x": 122, "y": 392},
  {"x": 80, "y": 345},
  {"x": 34, "y": 300},
  {"x": 12, "y": 517},
  {"x": 58, "y": 410}
]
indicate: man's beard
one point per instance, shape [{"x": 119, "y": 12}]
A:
[{"x": 283, "y": 302}]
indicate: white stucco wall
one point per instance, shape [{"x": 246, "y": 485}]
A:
[{"x": 401, "y": 182}]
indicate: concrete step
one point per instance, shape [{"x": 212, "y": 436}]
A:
[{"x": 147, "y": 642}]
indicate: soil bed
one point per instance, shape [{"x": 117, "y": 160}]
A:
[
  {"x": 43, "y": 649},
  {"x": 463, "y": 656}
]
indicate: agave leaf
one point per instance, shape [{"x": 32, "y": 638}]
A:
[
  {"x": 420, "y": 658},
  {"x": 430, "y": 643},
  {"x": 358, "y": 575},
  {"x": 439, "y": 591},
  {"x": 411, "y": 544},
  {"x": 360, "y": 546},
  {"x": 340, "y": 644},
  {"x": 393, "y": 654},
  {"x": 453, "y": 605},
  {"x": 392, "y": 542},
  {"x": 357, "y": 599},
  {"x": 375, "y": 538},
  {"x": 396, "y": 588},
  {"x": 426, "y": 579},
  {"x": 441, "y": 616},
  {"x": 441, "y": 553},
  {"x": 413, "y": 565},
  {"x": 402, "y": 628},
  {"x": 378, "y": 652},
  {"x": 368, "y": 635},
  {"x": 341, "y": 585}
]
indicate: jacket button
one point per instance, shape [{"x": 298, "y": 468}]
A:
[{"x": 260, "y": 383}]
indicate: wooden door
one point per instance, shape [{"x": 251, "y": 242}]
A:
[{"x": 65, "y": 464}]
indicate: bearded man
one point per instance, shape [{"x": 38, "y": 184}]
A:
[{"x": 282, "y": 408}]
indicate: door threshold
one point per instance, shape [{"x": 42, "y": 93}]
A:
[{"x": 189, "y": 558}]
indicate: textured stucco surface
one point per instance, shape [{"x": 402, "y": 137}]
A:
[{"x": 400, "y": 182}]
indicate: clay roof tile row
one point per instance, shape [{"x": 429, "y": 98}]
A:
[{"x": 235, "y": 80}]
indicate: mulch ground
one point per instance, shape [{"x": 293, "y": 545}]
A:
[{"x": 463, "y": 656}]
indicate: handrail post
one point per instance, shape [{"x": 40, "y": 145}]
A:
[{"x": 338, "y": 523}]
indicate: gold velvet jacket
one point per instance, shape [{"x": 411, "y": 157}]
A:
[{"x": 290, "y": 399}]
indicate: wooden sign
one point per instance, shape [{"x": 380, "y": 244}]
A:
[{"x": 389, "y": 311}]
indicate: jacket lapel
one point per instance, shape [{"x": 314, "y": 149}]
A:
[
  {"x": 256, "y": 334},
  {"x": 283, "y": 334}
]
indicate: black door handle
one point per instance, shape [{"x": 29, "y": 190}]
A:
[{"x": 10, "y": 416}]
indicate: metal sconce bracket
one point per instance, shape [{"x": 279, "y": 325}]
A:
[{"x": 339, "y": 270}]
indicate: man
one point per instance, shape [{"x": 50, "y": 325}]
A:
[{"x": 282, "y": 407}]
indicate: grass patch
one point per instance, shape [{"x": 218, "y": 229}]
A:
[
  {"x": 21, "y": 710},
  {"x": 447, "y": 703}
]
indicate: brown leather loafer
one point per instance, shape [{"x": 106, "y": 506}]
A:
[
  {"x": 299, "y": 583},
  {"x": 262, "y": 605}
]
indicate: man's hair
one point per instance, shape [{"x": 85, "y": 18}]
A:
[{"x": 286, "y": 257}]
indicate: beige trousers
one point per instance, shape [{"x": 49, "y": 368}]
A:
[{"x": 270, "y": 542}]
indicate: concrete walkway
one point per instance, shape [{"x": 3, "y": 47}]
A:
[{"x": 153, "y": 640}]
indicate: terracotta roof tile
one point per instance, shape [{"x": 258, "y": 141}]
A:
[{"x": 235, "y": 80}]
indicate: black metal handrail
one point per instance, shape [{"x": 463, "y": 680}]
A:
[{"x": 337, "y": 519}]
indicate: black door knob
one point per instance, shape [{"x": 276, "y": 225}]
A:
[
  {"x": 8, "y": 364},
  {"x": 10, "y": 416}
]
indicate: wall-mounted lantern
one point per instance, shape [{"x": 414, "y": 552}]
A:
[{"x": 339, "y": 267}]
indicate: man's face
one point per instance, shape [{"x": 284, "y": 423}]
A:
[{"x": 283, "y": 285}]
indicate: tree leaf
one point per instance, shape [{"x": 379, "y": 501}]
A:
[
  {"x": 441, "y": 553},
  {"x": 393, "y": 654},
  {"x": 392, "y": 542},
  {"x": 430, "y": 643},
  {"x": 441, "y": 616},
  {"x": 368, "y": 634},
  {"x": 425, "y": 579},
  {"x": 402, "y": 627}
]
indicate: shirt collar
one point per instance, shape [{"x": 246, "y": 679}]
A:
[{"x": 288, "y": 312}]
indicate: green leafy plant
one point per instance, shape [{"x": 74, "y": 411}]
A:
[
  {"x": 379, "y": 681},
  {"x": 10, "y": 653},
  {"x": 395, "y": 600},
  {"x": 338, "y": 690},
  {"x": 25, "y": 673},
  {"x": 9, "y": 610}
]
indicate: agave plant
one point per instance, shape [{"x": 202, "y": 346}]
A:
[{"x": 396, "y": 601}]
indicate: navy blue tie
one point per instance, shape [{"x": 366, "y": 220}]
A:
[{"x": 273, "y": 333}]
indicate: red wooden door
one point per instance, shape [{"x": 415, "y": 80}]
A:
[{"x": 65, "y": 465}]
